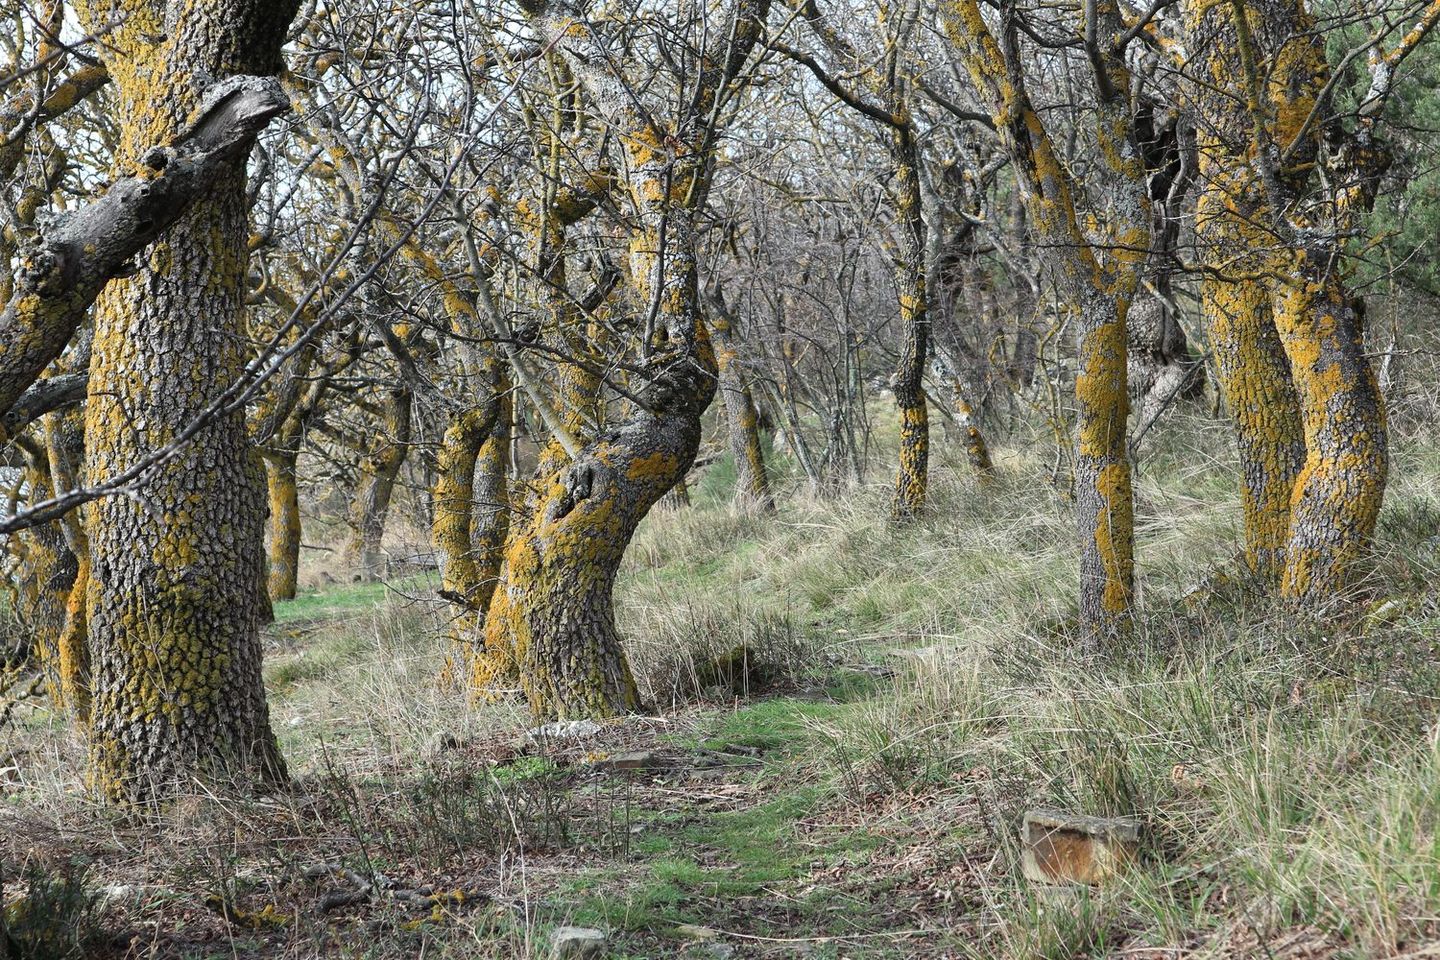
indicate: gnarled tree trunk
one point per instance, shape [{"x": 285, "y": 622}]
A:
[
  {"x": 1288, "y": 336},
  {"x": 379, "y": 468},
  {"x": 553, "y": 616},
  {"x": 174, "y": 599}
]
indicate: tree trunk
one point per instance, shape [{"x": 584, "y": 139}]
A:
[
  {"x": 554, "y": 614},
  {"x": 48, "y": 570},
  {"x": 1342, "y": 483},
  {"x": 1254, "y": 377},
  {"x": 676, "y": 498},
  {"x": 283, "y": 576},
  {"x": 1287, "y": 336},
  {"x": 1097, "y": 283},
  {"x": 977, "y": 451},
  {"x": 913, "y": 475},
  {"x": 752, "y": 480},
  {"x": 174, "y": 597},
  {"x": 466, "y": 568},
  {"x": 552, "y": 621},
  {"x": 1104, "y": 501},
  {"x": 375, "y": 487}
]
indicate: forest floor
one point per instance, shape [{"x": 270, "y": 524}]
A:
[{"x": 849, "y": 719}]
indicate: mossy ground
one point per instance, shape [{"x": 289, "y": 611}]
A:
[{"x": 856, "y": 797}]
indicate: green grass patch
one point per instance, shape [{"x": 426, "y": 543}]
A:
[{"x": 351, "y": 599}]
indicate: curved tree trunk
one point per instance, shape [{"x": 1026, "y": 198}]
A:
[
  {"x": 1340, "y": 487},
  {"x": 553, "y": 616},
  {"x": 282, "y": 579},
  {"x": 1231, "y": 238},
  {"x": 552, "y": 620},
  {"x": 467, "y": 455},
  {"x": 379, "y": 468},
  {"x": 175, "y": 600}
]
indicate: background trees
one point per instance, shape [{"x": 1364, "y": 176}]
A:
[{"x": 487, "y": 277}]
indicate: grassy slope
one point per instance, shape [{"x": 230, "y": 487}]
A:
[{"x": 1286, "y": 770}]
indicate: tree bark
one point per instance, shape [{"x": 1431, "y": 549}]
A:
[
  {"x": 1289, "y": 340},
  {"x": 467, "y": 455},
  {"x": 174, "y": 599},
  {"x": 1096, "y": 284},
  {"x": 977, "y": 451},
  {"x": 752, "y": 480},
  {"x": 913, "y": 475},
  {"x": 379, "y": 468},
  {"x": 283, "y": 575},
  {"x": 1339, "y": 489},
  {"x": 48, "y": 570}
]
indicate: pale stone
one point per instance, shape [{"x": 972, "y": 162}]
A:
[
  {"x": 635, "y": 760},
  {"x": 1063, "y": 848},
  {"x": 574, "y": 942}
]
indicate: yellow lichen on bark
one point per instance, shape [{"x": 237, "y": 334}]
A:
[
  {"x": 174, "y": 594},
  {"x": 1096, "y": 281}
]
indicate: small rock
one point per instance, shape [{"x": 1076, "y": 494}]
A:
[
  {"x": 558, "y": 731},
  {"x": 691, "y": 931},
  {"x": 577, "y": 942},
  {"x": 635, "y": 760},
  {"x": 1061, "y": 848},
  {"x": 117, "y": 891}
]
